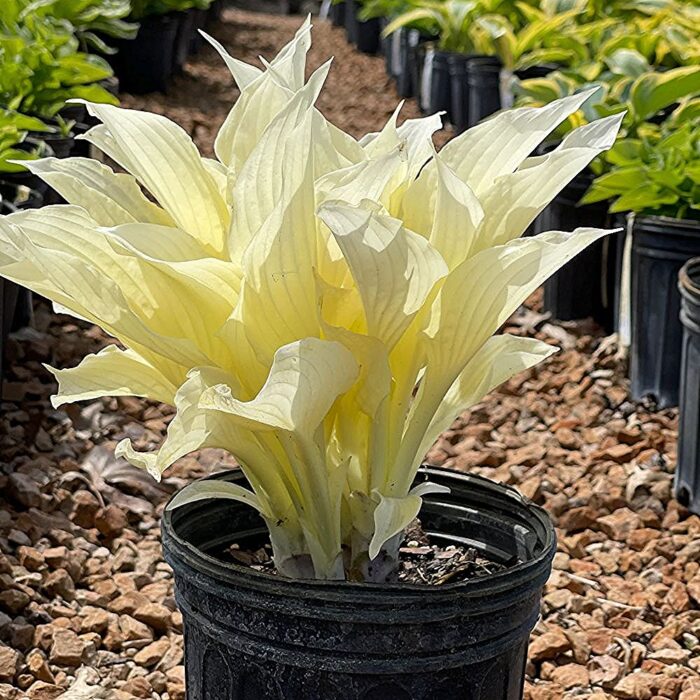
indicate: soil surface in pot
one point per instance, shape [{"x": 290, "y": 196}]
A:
[{"x": 420, "y": 560}]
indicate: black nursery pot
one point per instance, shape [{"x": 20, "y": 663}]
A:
[
  {"x": 183, "y": 37},
  {"x": 435, "y": 89},
  {"x": 15, "y": 301},
  {"x": 660, "y": 247},
  {"x": 585, "y": 286},
  {"x": 484, "y": 85},
  {"x": 687, "y": 482},
  {"x": 144, "y": 64},
  {"x": 368, "y": 36},
  {"x": 336, "y": 14},
  {"x": 351, "y": 22},
  {"x": 251, "y": 635},
  {"x": 459, "y": 91}
]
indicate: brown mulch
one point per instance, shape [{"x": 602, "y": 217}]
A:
[{"x": 86, "y": 600}]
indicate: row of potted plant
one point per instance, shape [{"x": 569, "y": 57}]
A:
[
  {"x": 47, "y": 57},
  {"x": 322, "y": 308},
  {"x": 168, "y": 31},
  {"x": 649, "y": 184}
]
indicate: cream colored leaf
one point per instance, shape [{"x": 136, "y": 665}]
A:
[
  {"x": 391, "y": 516},
  {"x": 305, "y": 379},
  {"x": 110, "y": 198},
  {"x": 163, "y": 158},
  {"x": 208, "y": 489},
  {"x": 243, "y": 73},
  {"x": 394, "y": 269},
  {"x": 111, "y": 372},
  {"x": 514, "y": 201},
  {"x": 498, "y": 146}
]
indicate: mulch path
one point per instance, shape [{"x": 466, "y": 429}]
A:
[{"x": 86, "y": 601}]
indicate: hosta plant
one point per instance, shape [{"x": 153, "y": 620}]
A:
[
  {"x": 658, "y": 172},
  {"x": 322, "y": 308}
]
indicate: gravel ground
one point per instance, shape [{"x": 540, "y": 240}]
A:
[{"x": 86, "y": 602}]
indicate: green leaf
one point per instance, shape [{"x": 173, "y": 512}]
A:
[{"x": 655, "y": 91}]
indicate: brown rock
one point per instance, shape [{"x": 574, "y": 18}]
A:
[
  {"x": 175, "y": 683},
  {"x": 151, "y": 654},
  {"x": 154, "y": 615},
  {"x": 9, "y": 663},
  {"x": 619, "y": 524},
  {"x": 14, "y": 601},
  {"x": 67, "y": 648},
  {"x": 111, "y": 521},
  {"x": 85, "y": 508},
  {"x": 605, "y": 670},
  {"x": 636, "y": 685},
  {"x": 678, "y": 598},
  {"x": 638, "y": 539},
  {"x": 575, "y": 519},
  {"x": 45, "y": 691},
  {"x": 549, "y": 645},
  {"x": 95, "y": 620},
  {"x": 570, "y": 676},
  {"x": 58, "y": 584},
  {"x": 36, "y": 662},
  {"x": 128, "y": 603},
  {"x": 24, "y": 490},
  {"x": 133, "y": 631},
  {"x": 138, "y": 687},
  {"x": 30, "y": 558}
]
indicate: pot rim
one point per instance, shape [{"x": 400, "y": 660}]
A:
[
  {"x": 503, "y": 580},
  {"x": 667, "y": 221},
  {"x": 689, "y": 278}
]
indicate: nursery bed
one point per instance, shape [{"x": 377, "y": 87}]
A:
[{"x": 621, "y": 613}]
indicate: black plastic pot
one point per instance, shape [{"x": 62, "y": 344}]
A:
[
  {"x": 15, "y": 301},
  {"x": 459, "y": 91},
  {"x": 351, "y": 22},
  {"x": 435, "y": 90},
  {"x": 687, "y": 482},
  {"x": 183, "y": 38},
  {"x": 336, "y": 14},
  {"x": 484, "y": 84},
  {"x": 216, "y": 10},
  {"x": 368, "y": 36},
  {"x": 251, "y": 635},
  {"x": 199, "y": 22},
  {"x": 585, "y": 286},
  {"x": 144, "y": 64},
  {"x": 660, "y": 247}
]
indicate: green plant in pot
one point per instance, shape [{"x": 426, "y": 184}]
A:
[
  {"x": 655, "y": 175},
  {"x": 322, "y": 308}
]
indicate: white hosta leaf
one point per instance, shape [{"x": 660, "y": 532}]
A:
[
  {"x": 111, "y": 372},
  {"x": 57, "y": 254},
  {"x": 280, "y": 284},
  {"x": 110, "y": 198},
  {"x": 290, "y": 62},
  {"x": 514, "y": 201},
  {"x": 498, "y": 145},
  {"x": 305, "y": 379},
  {"x": 392, "y": 516},
  {"x": 243, "y": 73},
  {"x": 366, "y": 180},
  {"x": 457, "y": 216},
  {"x": 394, "y": 269},
  {"x": 215, "y": 488},
  {"x": 428, "y": 487},
  {"x": 255, "y": 109},
  {"x": 191, "y": 429},
  {"x": 163, "y": 158},
  {"x": 500, "y": 358},
  {"x": 282, "y": 150}
]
